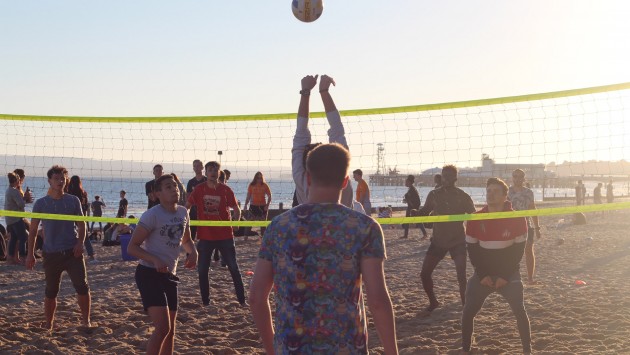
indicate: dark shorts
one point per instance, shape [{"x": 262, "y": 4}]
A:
[
  {"x": 58, "y": 262},
  {"x": 157, "y": 289},
  {"x": 441, "y": 252},
  {"x": 258, "y": 211}
]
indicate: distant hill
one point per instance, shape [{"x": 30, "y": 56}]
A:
[
  {"x": 592, "y": 167},
  {"x": 39, "y": 165}
]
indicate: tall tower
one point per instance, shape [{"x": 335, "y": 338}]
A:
[{"x": 380, "y": 159}]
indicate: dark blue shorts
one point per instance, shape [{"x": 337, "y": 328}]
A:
[{"x": 157, "y": 289}]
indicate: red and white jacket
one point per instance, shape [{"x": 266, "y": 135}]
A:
[{"x": 496, "y": 246}]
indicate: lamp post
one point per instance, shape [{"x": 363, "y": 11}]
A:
[{"x": 220, "y": 154}]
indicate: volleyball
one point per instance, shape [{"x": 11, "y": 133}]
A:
[{"x": 307, "y": 10}]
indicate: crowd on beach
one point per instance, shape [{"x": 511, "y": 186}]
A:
[{"x": 315, "y": 257}]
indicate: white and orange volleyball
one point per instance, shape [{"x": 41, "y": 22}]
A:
[{"x": 307, "y": 10}]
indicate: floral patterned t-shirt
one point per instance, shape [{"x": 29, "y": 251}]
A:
[{"x": 316, "y": 252}]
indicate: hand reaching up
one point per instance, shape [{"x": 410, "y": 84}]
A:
[
  {"x": 325, "y": 81},
  {"x": 308, "y": 82}
]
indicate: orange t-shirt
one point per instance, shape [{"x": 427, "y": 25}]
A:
[{"x": 258, "y": 192}]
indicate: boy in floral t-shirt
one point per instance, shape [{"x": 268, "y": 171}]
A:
[{"x": 317, "y": 255}]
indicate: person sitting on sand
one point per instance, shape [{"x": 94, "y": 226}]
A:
[
  {"x": 162, "y": 230},
  {"x": 63, "y": 246},
  {"x": 448, "y": 237},
  {"x": 496, "y": 247}
]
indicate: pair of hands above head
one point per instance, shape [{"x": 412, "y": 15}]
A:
[{"x": 309, "y": 82}]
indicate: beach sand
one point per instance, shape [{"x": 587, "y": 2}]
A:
[{"x": 565, "y": 318}]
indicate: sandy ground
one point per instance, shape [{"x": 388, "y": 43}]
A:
[{"x": 565, "y": 318}]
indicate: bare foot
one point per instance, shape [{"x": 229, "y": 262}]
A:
[{"x": 429, "y": 309}]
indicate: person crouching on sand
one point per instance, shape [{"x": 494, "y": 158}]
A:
[{"x": 495, "y": 248}]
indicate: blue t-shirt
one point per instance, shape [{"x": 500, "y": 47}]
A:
[
  {"x": 316, "y": 252},
  {"x": 59, "y": 235}
]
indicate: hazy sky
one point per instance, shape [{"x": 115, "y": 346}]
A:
[
  {"x": 202, "y": 58},
  {"x": 178, "y": 58}
]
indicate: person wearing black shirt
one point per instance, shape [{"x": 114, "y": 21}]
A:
[{"x": 150, "y": 185}]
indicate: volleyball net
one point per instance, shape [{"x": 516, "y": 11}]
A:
[{"x": 557, "y": 138}]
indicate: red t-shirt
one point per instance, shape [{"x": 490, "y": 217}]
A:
[{"x": 213, "y": 205}]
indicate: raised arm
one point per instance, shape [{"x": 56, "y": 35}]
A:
[
  {"x": 336, "y": 133},
  {"x": 302, "y": 137}
]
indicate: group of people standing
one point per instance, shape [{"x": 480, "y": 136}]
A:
[{"x": 316, "y": 257}]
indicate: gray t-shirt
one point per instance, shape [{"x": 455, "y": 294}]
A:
[
  {"x": 13, "y": 201},
  {"x": 166, "y": 230},
  {"x": 59, "y": 235},
  {"x": 521, "y": 200}
]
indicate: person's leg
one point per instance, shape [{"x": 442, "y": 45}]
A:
[
  {"x": 458, "y": 254},
  {"x": 89, "y": 248},
  {"x": 75, "y": 267},
  {"x": 13, "y": 241},
  {"x": 423, "y": 230},
  {"x": 161, "y": 319},
  {"x": 91, "y": 227},
  {"x": 530, "y": 257},
  {"x": 204, "y": 249},
  {"x": 228, "y": 251},
  {"x": 513, "y": 293},
  {"x": 476, "y": 295},
  {"x": 168, "y": 346},
  {"x": 50, "y": 306},
  {"x": 406, "y": 225},
  {"x": 22, "y": 238},
  {"x": 53, "y": 269},
  {"x": 431, "y": 260},
  {"x": 170, "y": 289}
]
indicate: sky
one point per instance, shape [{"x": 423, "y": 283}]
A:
[{"x": 204, "y": 58}]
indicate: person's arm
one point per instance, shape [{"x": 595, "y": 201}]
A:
[
  {"x": 379, "y": 302},
  {"x": 234, "y": 205},
  {"x": 268, "y": 193},
  {"x": 302, "y": 138},
  {"x": 259, "y": 302},
  {"x": 32, "y": 234},
  {"x": 336, "y": 133},
  {"x": 190, "y": 201},
  {"x": 429, "y": 205},
  {"x": 78, "y": 247},
  {"x": 189, "y": 247},
  {"x": 248, "y": 197},
  {"x": 532, "y": 206},
  {"x": 510, "y": 258},
  {"x": 134, "y": 249},
  {"x": 237, "y": 215}
]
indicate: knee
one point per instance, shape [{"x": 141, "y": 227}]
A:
[
  {"x": 425, "y": 274},
  {"x": 162, "y": 331},
  {"x": 51, "y": 292},
  {"x": 82, "y": 289}
]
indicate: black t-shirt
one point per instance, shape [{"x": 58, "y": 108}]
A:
[
  {"x": 192, "y": 183},
  {"x": 148, "y": 187},
  {"x": 122, "y": 207}
]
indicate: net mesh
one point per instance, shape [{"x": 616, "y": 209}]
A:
[{"x": 557, "y": 138}]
